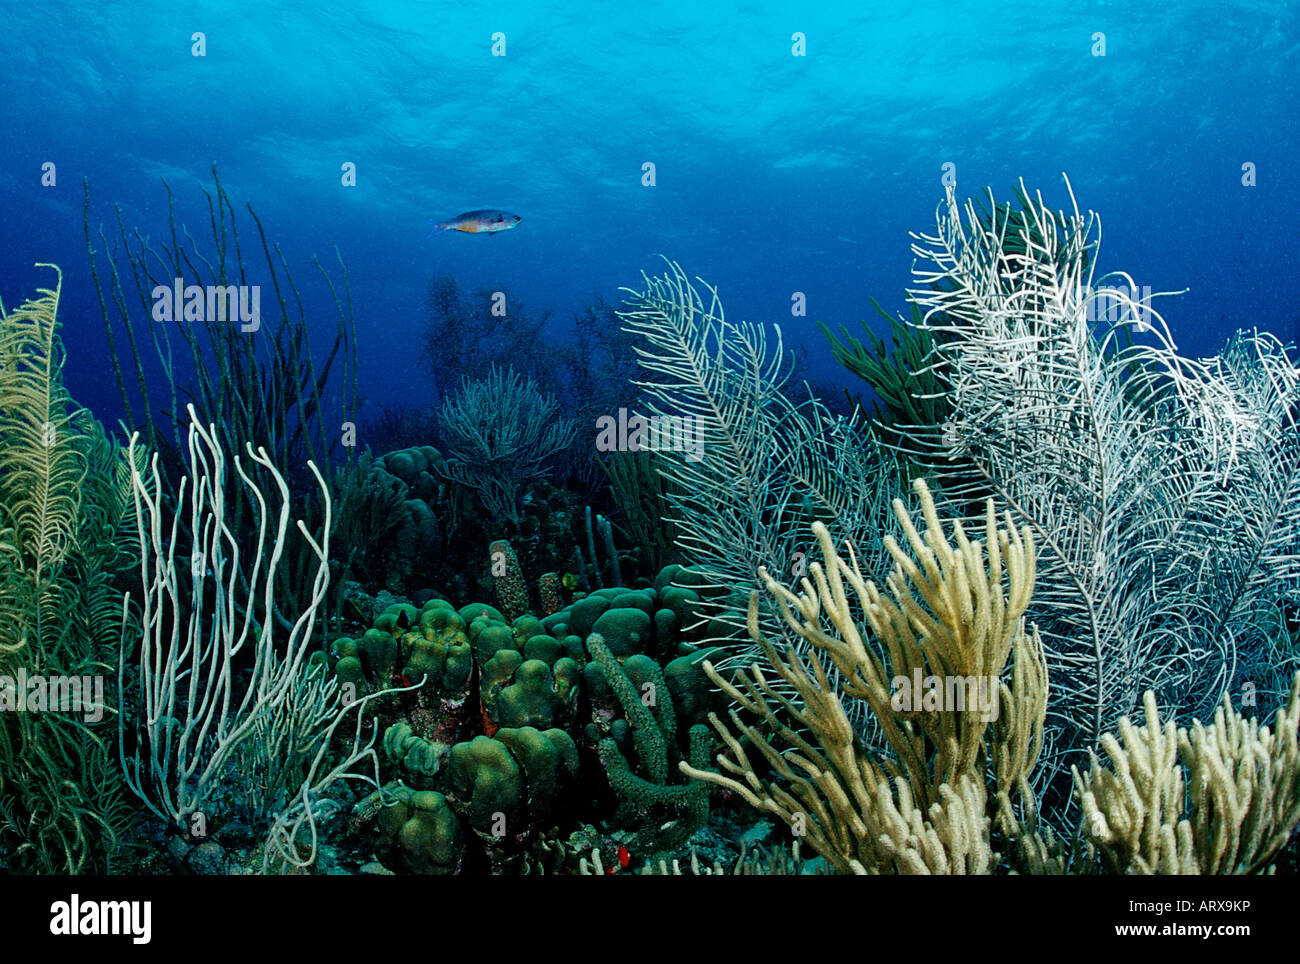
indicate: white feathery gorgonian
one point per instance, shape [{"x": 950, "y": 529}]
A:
[{"x": 1164, "y": 492}]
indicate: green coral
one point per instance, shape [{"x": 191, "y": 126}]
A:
[
  {"x": 410, "y": 531},
  {"x": 581, "y": 616},
  {"x": 527, "y": 677},
  {"x": 378, "y": 651},
  {"x": 491, "y": 637},
  {"x": 549, "y": 761},
  {"x": 524, "y": 628},
  {"x": 396, "y": 619},
  {"x": 419, "y": 758},
  {"x": 418, "y": 832},
  {"x": 625, "y": 630},
  {"x": 666, "y": 814},
  {"x": 528, "y": 692},
  {"x": 666, "y": 619},
  {"x": 429, "y": 644},
  {"x": 439, "y": 650},
  {"x": 488, "y": 786},
  {"x": 345, "y": 656},
  {"x": 511, "y": 784},
  {"x": 693, "y": 693}
]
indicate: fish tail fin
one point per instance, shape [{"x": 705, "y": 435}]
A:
[{"x": 438, "y": 228}]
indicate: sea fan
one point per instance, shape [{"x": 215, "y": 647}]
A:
[
  {"x": 1163, "y": 492},
  {"x": 499, "y": 433}
]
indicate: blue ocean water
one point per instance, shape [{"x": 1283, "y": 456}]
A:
[{"x": 774, "y": 173}]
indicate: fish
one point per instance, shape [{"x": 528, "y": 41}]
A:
[{"x": 486, "y": 221}]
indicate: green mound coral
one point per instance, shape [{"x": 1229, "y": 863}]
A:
[
  {"x": 378, "y": 650},
  {"x": 530, "y": 669},
  {"x": 517, "y": 781},
  {"x": 666, "y": 619},
  {"x": 440, "y": 649},
  {"x": 487, "y": 782},
  {"x": 511, "y": 783},
  {"x": 407, "y": 646},
  {"x": 420, "y": 759},
  {"x": 549, "y": 760},
  {"x": 528, "y": 692},
  {"x": 626, "y": 630},
  {"x": 414, "y": 474},
  {"x": 417, "y": 831}
]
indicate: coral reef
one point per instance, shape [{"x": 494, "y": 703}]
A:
[
  {"x": 521, "y": 771},
  {"x": 1062, "y": 396},
  {"x": 1091, "y": 508}
]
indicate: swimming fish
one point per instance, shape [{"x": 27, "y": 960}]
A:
[{"x": 478, "y": 222}]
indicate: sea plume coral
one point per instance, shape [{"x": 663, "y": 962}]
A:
[
  {"x": 767, "y": 466},
  {"x": 43, "y": 469},
  {"x": 63, "y": 506}
]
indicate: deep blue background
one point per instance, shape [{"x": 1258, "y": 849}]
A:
[{"x": 775, "y": 173}]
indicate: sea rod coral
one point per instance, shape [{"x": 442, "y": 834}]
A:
[
  {"x": 206, "y": 610},
  {"x": 954, "y": 609}
]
